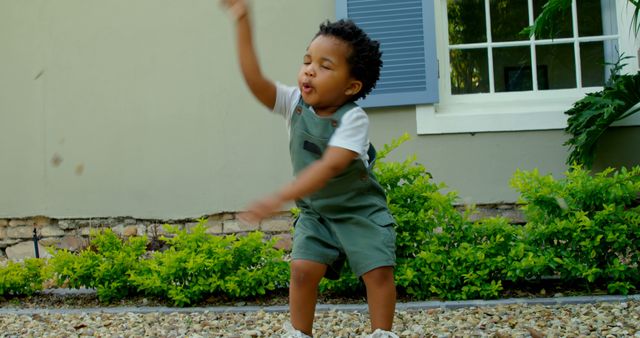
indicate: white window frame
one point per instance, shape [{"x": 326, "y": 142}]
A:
[{"x": 512, "y": 111}]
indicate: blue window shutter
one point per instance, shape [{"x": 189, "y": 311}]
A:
[{"x": 406, "y": 32}]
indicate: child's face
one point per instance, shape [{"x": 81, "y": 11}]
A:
[{"x": 324, "y": 79}]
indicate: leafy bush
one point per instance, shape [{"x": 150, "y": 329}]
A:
[
  {"x": 584, "y": 228},
  {"x": 465, "y": 260},
  {"x": 195, "y": 265},
  {"x": 198, "y": 264},
  {"x": 105, "y": 265},
  {"x": 439, "y": 251},
  {"x": 21, "y": 279}
]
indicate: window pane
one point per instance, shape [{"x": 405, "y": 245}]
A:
[
  {"x": 508, "y": 19},
  {"x": 559, "y": 27},
  {"x": 512, "y": 68},
  {"x": 467, "y": 21},
  {"x": 557, "y": 65},
  {"x": 594, "y": 72},
  {"x": 589, "y": 17},
  {"x": 469, "y": 71}
]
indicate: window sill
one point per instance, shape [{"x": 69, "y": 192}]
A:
[{"x": 500, "y": 113}]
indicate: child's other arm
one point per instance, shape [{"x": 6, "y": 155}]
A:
[
  {"x": 261, "y": 87},
  {"x": 333, "y": 162}
]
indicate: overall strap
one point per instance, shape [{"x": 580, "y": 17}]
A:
[
  {"x": 373, "y": 154},
  {"x": 335, "y": 118}
]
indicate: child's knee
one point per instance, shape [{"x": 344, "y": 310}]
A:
[
  {"x": 306, "y": 272},
  {"x": 382, "y": 276}
]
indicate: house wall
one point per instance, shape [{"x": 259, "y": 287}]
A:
[
  {"x": 479, "y": 166},
  {"x": 137, "y": 108}
]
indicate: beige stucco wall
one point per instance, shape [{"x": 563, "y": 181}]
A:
[
  {"x": 479, "y": 166},
  {"x": 136, "y": 108}
]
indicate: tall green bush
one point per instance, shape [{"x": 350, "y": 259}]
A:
[
  {"x": 440, "y": 252},
  {"x": 584, "y": 228}
]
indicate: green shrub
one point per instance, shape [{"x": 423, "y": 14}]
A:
[
  {"x": 21, "y": 279},
  {"x": 440, "y": 253},
  {"x": 198, "y": 264},
  {"x": 583, "y": 228},
  {"x": 465, "y": 260},
  {"x": 105, "y": 265}
]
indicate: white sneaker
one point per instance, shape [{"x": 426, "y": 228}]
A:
[
  {"x": 379, "y": 333},
  {"x": 291, "y": 332}
]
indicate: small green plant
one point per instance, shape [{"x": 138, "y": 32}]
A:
[
  {"x": 21, "y": 279},
  {"x": 198, "y": 265},
  {"x": 105, "y": 265}
]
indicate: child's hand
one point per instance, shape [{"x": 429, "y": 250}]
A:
[
  {"x": 262, "y": 209},
  {"x": 237, "y": 8}
]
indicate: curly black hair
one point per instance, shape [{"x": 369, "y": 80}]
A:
[{"x": 365, "y": 60}]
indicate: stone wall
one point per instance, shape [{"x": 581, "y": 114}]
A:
[{"x": 16, "y": 235}]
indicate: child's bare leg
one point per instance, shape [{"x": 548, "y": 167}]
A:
[
  {"x": 381, "y": 297},
  {"x": 303, "y": 293}
]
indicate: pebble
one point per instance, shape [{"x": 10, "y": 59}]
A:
[{"x": 513, "y": 320}]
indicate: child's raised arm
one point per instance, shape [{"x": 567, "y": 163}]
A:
[{"x": 261, "y": 87}]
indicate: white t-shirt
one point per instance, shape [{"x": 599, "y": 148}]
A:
[{"x": 352, "y": 132}]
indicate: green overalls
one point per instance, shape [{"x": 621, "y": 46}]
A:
[{"x": 349, "y": 216}]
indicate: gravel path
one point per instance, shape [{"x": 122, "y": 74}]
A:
[{"x": 607, "y": 316}]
